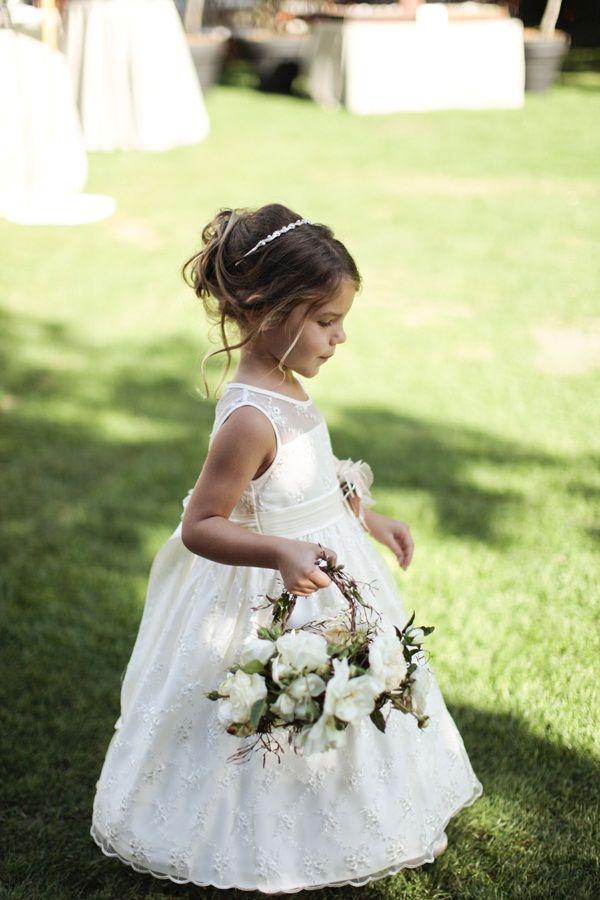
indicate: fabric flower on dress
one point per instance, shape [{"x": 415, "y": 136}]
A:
[
  {"x": 185, "y": 501},
  {"x": 356, "y": 478}
]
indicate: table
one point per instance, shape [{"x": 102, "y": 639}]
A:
[{"x": 389, "y": 66}]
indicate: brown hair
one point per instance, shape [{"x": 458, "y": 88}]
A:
[{"x": 307, "y": 264}]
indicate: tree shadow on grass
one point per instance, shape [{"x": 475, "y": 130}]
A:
[
  {"x": 91, "y": 485},
  {"x": 438, "y": 460}
]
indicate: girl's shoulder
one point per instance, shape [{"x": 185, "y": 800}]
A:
[{"x": 289, "y": 416}]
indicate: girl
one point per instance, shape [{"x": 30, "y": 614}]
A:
[{"x": 267, "y": 500}]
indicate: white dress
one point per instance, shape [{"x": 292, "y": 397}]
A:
[{"x": 168, "y": 803}]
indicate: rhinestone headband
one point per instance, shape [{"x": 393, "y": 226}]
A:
[{"x": 275, "y": 234}]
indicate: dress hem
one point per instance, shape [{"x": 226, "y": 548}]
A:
[{"x": 428, "y": 857}]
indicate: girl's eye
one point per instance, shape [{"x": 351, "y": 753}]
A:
[{"x": 325, "y": 324}]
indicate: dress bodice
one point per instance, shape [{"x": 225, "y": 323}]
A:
[{"x": 303, "y": 469}]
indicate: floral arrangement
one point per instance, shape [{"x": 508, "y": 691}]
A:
[{"x": 313, "y": 681}]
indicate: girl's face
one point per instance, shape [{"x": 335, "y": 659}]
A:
[{"x": 321, "y": 333}]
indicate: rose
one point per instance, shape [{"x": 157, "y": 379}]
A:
[
  {"x": 302, "y": 690},
  {"x": 225, "y": 685},
  {"x": 258, "y": 650},
  {"x": 299, "y": 651},
  {"x": 285, "y": 707},
  {"x": 386, "y": 661},
  {"x": 225, "y": 713},
  {"x": 349, "y": 698},
  {"x": 323, "y": 735},
  {"x": 419, "y": 689},
  {"x": 296, "y": 701},
  {"x": 305, "y": 686},
  {"x": 244, "y": 691}
]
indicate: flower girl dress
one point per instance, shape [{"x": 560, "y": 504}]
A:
[{"x": 169, "y": 803}]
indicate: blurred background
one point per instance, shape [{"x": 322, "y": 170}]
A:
[{"x": 455, "y": 149}]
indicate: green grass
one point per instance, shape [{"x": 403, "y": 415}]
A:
[{"x": 469, "y": 382}]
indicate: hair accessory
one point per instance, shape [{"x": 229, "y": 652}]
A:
[{"x": 275, "y": 234}]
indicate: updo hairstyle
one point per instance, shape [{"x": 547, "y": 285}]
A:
[{"x": 253, "y": 293}]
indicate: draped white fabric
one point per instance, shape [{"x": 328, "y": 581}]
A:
[
  {"x": 134, "y": 78},
  {"x": 41, "y": 147},
  {"x": 169, "y": 803},
  {"x": 43, "y": 163}
]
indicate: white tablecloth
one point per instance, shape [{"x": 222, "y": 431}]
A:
[
  {"x": 134, "y": 79},
  {"x": 41, "y": 146},
  {"x": 385, "y": 66}
]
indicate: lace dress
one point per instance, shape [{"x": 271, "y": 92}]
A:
[{"x": 168, "y": 803}]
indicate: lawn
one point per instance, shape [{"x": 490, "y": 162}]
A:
[{"x": 469, "y": 382}]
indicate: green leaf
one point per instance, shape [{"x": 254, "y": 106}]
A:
[
  {"x": 264, "y": 634},
  {"x": 259, "y": 707},
  {"x": 253, "y": 666},
  {"x": 377, "y": 719},
  {"x": 357, "y": 670}
]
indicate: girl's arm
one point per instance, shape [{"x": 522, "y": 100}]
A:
[
  {"x": 243, "y": 442},
  {"x": 241, "y": 445}
]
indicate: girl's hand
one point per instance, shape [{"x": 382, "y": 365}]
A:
[
  {"x": 392, "y": 534},
  {"x": 296, "y": 560}
]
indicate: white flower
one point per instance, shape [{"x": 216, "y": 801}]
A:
[
  {"x": 223, "y": 688},
  {"x": 358, "y": 475},
  {"x": 299, "y": 651},
  {"x": 349, "y": 698},
  {"x": 420, "y": 688},
  {"x": 386, "y": 661},
  {"x": 416, "y": 635},
  {"x": 305, "y": 686},
  {"x": 225, "y": 713},
  {"x": 285, "y": 707},
  {"x": 295, "y": 702},
  {"x": 244, "y": 691},
  {"x": 323, "y": 735},
  {"x": 257, "y": 649}
]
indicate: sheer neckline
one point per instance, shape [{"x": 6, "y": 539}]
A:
[{"x": 252, "y": 387}]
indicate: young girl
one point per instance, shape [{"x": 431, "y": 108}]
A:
[{"x": 267, "y": 500}]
